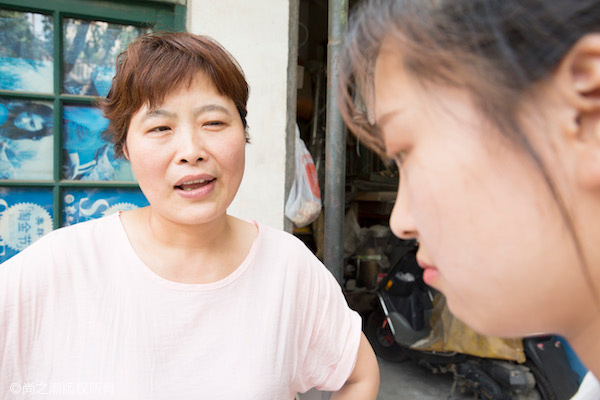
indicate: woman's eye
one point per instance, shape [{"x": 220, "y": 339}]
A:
[
  {"x": 160, "y": 129},
  {"x": 214, "y": 123}
]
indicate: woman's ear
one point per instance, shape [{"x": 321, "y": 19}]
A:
[
  {"x": 125, "y": 152},
  {"x": 578, "y": 77}
]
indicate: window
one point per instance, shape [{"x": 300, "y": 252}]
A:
[{"x": 56, "y": 59}]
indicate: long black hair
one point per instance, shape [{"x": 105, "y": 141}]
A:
[{"x": 17, "y": 109}]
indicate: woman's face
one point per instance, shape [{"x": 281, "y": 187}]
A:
[
  {"x": 488, "y": 227},
  {"x": 188, "y": 153},
  {"x": 29, "y": 121}
]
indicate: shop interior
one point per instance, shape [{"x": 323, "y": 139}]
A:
[{"x": 370, "y": 182}]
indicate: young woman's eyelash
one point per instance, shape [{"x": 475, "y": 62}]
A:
[{"x": 400, "y": 156}]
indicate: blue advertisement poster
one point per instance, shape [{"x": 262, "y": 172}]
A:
[
  {"x": 25, "y": 216},
  {"x": 26, "y": 139},
  {"x": 26, "y": 52},
  {"x": 91, "y": 48},
  {"x": 81, "y": 205},
  {"x": 87, "y": 155}
]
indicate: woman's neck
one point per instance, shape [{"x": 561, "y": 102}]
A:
[
  {"x": 187, "y": 237},
  {"x": 199, "y": 253}
]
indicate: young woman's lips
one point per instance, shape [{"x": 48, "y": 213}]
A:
[
  {"x": 430, "y": 273},
  {"x": 195, "y": 187}
]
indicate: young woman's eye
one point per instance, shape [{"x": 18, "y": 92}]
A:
[{"x": 399, "y": 157}]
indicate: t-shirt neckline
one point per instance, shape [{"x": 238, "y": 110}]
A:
[{"x": 140, "y": 266}]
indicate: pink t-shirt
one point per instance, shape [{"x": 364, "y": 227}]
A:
[{"x": 82, "y": 317}]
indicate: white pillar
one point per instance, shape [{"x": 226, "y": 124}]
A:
[{"x": 257, "y": 34}]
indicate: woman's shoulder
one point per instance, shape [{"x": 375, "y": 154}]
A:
[
  {"x": 97, "y": 230},
  {"x": 62, "y": 258},
  {"x": 64, "y": 239},
  {"x": 281, "y": 247},
  {"x": 274, "y": 236}
]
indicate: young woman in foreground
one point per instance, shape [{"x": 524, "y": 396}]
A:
[
  {"x": 491, "y": 110},
  {"x": 178, "y": 300}
]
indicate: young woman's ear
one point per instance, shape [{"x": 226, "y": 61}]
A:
[
  {"x": 125, "y": 152},
  {"x": 578, "y": 77}
]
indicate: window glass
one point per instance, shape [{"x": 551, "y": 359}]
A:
[
  {"x": 81, "y": 205},
  {"x": 90, "y": 50},
  {"x": 57, "y": 57},
  {"x": 26, "y": 51},
  {"x": 87, "y": 154},
  {"x": 26, "y": 139},
  {"x": 25, "y": 216}
]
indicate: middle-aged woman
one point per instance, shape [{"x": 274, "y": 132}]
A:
[
  {"x": 491, "y": 110},
  {"x": 177, "y": 300}
]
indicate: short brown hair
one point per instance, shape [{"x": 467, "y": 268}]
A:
[{"x": 156, "y": 64}]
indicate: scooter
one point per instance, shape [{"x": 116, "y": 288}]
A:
[{"x": 409, "y": 316}]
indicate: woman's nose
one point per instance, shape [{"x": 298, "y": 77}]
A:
[
  {"x": 401, "y": 221},
  {"x": 191, "y": 146}
]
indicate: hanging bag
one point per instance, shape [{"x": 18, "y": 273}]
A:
[{"x": 303, "y": 205}]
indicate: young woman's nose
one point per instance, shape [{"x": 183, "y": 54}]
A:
[
  {"x": 191, "y": 146},
  {"x": 401, "y": 221}
]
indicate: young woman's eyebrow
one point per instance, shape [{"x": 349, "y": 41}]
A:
[{"x": 386, "y": 118}]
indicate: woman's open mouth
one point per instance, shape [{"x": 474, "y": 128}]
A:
[{"x": 193, "y": 185}]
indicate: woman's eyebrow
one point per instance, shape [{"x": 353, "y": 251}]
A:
[
  {"x": 158, "y": 113},
  {"x": 208, "y": 108},
  {"x": 196, "y": 112}
]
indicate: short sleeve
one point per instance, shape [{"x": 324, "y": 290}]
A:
[{"x": 331, "y": 333}]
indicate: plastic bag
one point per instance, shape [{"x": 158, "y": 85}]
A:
[
  {"x": 303, "y": 205},
  {"x": 449, "y": 334}
]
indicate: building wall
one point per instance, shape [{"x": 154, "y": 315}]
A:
[{"x": 257, "y": 33}]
